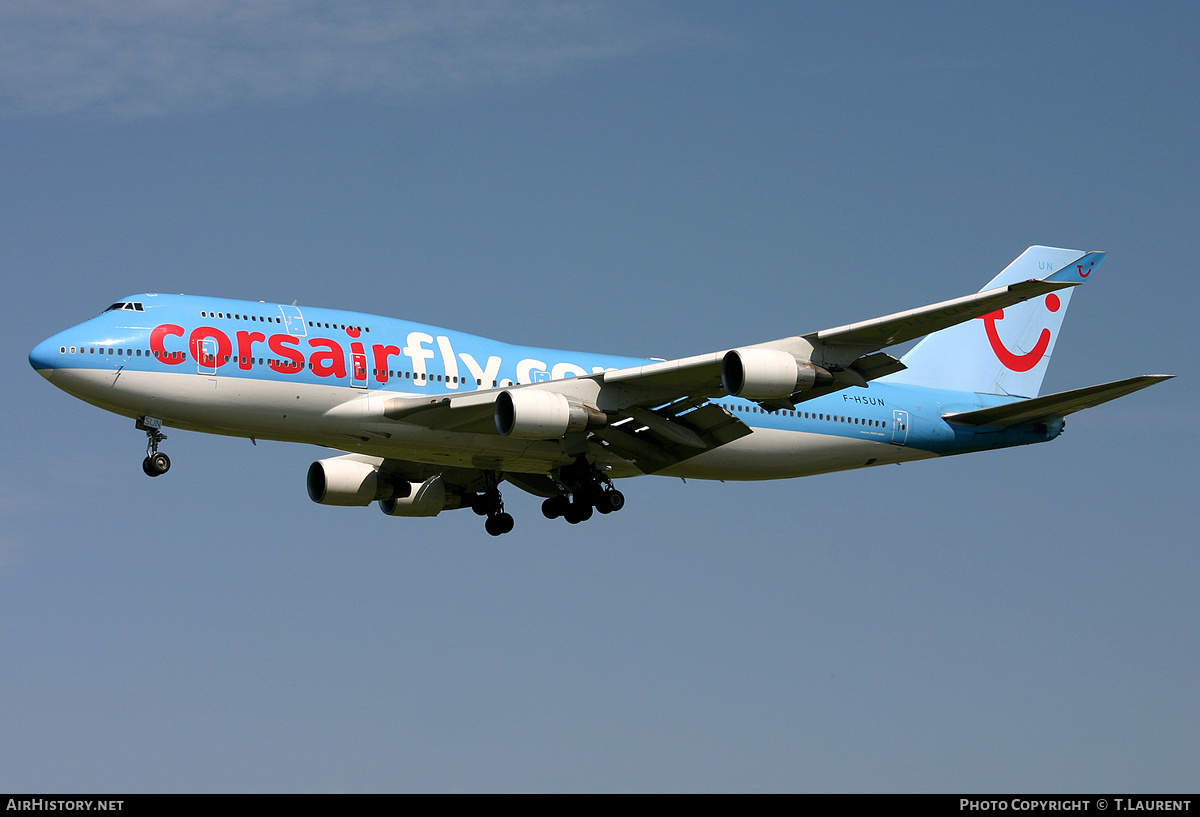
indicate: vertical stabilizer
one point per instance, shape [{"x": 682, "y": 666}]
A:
[{"x": 1008, "y": 351}]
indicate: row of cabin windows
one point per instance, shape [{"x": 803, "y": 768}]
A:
[
  {"x": 239, "y": 317},
  {"x": 318, "y": 325},
  {"x": 428, "y": 377},
  {"x": 121, "y": 351},
  {"x": 833, "y": 418},
  {"x": 93, "y": 350}
]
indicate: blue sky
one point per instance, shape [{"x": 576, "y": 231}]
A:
[{"x": 655, "y": 180}]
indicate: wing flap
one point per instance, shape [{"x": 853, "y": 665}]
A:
[{"x": 654, "y": 440}]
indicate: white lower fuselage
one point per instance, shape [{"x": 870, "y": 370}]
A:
[{"x": 302, "y": 412}]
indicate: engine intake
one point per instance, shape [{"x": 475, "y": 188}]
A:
[
  {"x": 536, "y": 414},
  {"x": 764, "y": 374},
  {"x": 340, "y": 481}
]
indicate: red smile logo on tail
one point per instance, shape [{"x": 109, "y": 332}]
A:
[{"x": 1012, "y": 360}]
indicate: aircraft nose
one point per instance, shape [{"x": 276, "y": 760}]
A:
[{"x": 46, "y": 357}]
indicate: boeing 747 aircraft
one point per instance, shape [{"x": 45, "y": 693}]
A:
[{"x": 433, "y": 419}]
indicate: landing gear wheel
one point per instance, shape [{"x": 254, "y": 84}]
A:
[
  {"x": 610, "y": 501},
  {"x": 506, "y": 522},
  {"x": 555, "y": 506},
  {"x": 156, "y": 465},
  {"x": 499, "y": 524},
  {"x": 578, "y": 512},
  {"x": 161, "y": 462}
]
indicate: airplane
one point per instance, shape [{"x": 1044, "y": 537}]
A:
[{"x": 432, "y": 420}]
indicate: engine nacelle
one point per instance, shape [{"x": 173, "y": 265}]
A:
[
  {"x": 341, "y": 481},
  {"x": 428, "y": 498},
  {"x": 536, "y": 414},
  {"x": 763, "y": 374}
]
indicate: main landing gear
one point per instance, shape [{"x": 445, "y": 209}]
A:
[
  {"x": 490, "y": 504},
  {"x": 588, "y": 489},
  {"x": 585, "y": 490},
  {"x": 156, "y": 463}
]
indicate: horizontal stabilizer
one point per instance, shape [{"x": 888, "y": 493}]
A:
[{"x": 1052, "y": 406}]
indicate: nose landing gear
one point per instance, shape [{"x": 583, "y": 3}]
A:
[{"x": 156, "y": 463}]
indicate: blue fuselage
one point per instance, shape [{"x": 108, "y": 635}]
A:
[{"x": 275, "y": 371}]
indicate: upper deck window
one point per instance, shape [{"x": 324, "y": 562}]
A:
[{"x": 132, "y": 306}]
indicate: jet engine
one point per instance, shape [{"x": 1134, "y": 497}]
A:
[
  {"x": 535, "y": 414},
  {"x": 342, "y": 481},
  {"x": 428, "y": 498},
  {"x": 763, "y": 374}
]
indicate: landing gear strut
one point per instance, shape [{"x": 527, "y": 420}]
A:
[
  {"x": 587, "y": 489},
  {"x": 490, "y": 504},
  {"x": 156, "y": 463}
]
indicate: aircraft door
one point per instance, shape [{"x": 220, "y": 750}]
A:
[
  {"x": 293, "y": 320},
  {"x": 205, "y": 352},
  {"x": 358, "y": 369},
  {"x": 899, "y": 427}
]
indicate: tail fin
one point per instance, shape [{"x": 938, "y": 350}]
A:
[{"x": 1008, "y": 351}]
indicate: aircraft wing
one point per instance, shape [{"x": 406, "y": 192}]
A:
[
  {"x": 851, "y": 353},
  {"x": 659, "y": 413},
  {"x": 652, "y": 437},
  {"x": 900, "y": 327}
]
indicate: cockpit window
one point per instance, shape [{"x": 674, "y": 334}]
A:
[{"x": 132, "y": 306}]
